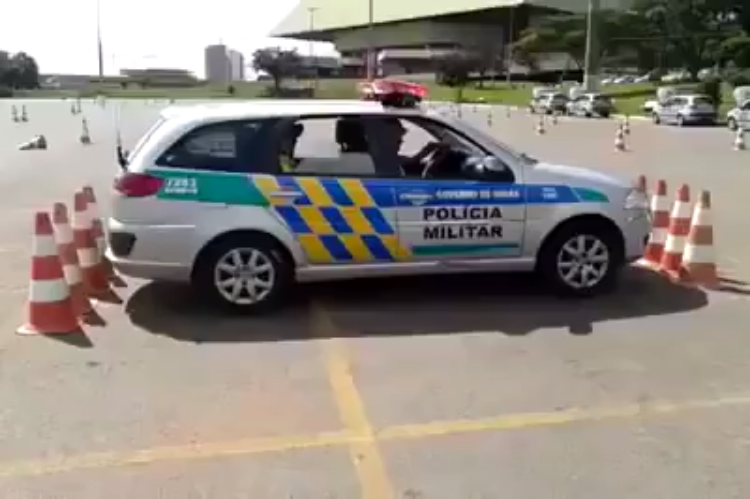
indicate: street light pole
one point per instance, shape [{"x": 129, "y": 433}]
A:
[
  {"x": 509, "y": 42},
  {"x": 591, "y": 75},
  {"x": 99, "y": 46},
  {"x": 311, "y": 18},
  {"x": 370, "y": 39}
]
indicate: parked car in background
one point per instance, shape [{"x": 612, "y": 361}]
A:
[
  {"x": 590, "y": 105},
  {"x": 680, "y": 110},
  {"x": 739, "y": 117},
  {"x": 549, "y": 103},
  {"x": 649, "y": 106},
  {"x": 676, "y": 77}
]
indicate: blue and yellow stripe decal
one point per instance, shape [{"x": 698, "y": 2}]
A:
[{"x": 335, "y": 220}]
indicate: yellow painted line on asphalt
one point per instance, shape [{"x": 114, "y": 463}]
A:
[
  {"x": 364, "y": 450},
  {"x": 360, "y": 439},
  {"x": 563, "y": 417},
  {"x": 16, "y": 469}
]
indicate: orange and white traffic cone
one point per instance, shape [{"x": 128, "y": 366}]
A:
[
  {"x": 699, "y": 260},
  {"x": 94, "y": 274},
  {"x": 97, "y": 227},
  {"x": 49, "y": 310},
  {"x": 620, "y": 140},
  {"x": 66, "y": 248},
  {"x": 679, "y": 227},
  {"x": 100, "y": 235},
  {"x": 659, "y": 229}
]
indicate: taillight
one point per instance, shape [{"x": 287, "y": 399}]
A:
[{"x": 137, "y": 185}]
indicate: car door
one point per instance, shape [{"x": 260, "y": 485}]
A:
[
  {"x": 664, "y": 108},
  {"x": 337, "y": 210},
  {"x": 460, "y": 219},
  {"x": 457, "y": 218}
]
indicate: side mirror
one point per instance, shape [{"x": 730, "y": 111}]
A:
[{"x": 493, "y": 165}]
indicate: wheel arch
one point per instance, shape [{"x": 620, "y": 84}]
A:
[
  {"x": 284, "y": 251},
  {"x": 601, "y": 222}
]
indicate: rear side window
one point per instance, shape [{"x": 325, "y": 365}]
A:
[
  {"x": 233, "y": 146},
  {"x": 699, "y": 101},
  {"x": 145, "y": 138}
]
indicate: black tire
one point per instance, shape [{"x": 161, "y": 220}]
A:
[
  {"x": 205, "y": 267},
  {"x": 547, "y": 259}
]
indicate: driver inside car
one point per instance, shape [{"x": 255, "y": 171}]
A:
[{"x": 428, "y": 158}]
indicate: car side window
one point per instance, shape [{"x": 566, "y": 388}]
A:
[
  {"x": 233, "y": 146},
  {"x": 460, "y": 150},
  {"x": 328, "y": 146},
  {"x": 746, "y": 106}
]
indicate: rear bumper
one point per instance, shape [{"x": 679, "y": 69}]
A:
[{"x": 153, "y": 253}]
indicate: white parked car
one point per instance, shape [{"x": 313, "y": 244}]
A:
[{"x": 739, "y": 117}]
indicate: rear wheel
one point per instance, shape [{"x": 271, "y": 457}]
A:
[
  {"x": 248, "y": 273},
  {"x": 581, "y": 259}
]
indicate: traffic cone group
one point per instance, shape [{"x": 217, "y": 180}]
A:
[
  {"x": 68, "y": 273},
  {"x": 681, "y": 243}
]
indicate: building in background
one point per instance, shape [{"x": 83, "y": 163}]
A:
[
  {"x": 409, "y": 35},
  {"x": 217, "y": 67},
  {"x": 223, "y": 65},
  {"x": 236, "y": 65}
]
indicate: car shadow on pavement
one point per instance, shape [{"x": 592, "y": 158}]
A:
[{"x": 509, "y": 304}]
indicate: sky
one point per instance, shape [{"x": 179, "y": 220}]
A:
[{"x": 140, "y": 33}]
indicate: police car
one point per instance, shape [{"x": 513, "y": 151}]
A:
[{"x": 372, "y": 190}]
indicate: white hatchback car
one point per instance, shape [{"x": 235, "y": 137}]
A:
[{"x": 210, "y": 196}]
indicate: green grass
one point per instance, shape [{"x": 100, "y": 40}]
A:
[{"x": 628, "y": 98}]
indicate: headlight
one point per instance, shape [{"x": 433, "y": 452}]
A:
[{"x": 637, "y": 200}]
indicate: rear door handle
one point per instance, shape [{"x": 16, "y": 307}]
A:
[{"x": 286, "y": 194}]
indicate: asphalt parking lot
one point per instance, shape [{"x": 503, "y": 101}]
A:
[{"x": 450, "y": 388}]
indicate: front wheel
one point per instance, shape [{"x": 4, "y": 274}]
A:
[
  {"x": 246, "y": 273},
  {"x": 581, "y": 259}
]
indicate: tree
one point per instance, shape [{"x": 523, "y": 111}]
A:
[
  {"x": 622, "y": 35},
  {"x": 735, "y": 50},
  {"x": 277, "y": 63},
  {"x": 692, "y": 30},
  {"x": 455, "y": 68},
  {"x": 18, "y": 71}
]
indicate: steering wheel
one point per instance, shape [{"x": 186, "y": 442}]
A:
[{"x": 433, "y": 158}]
